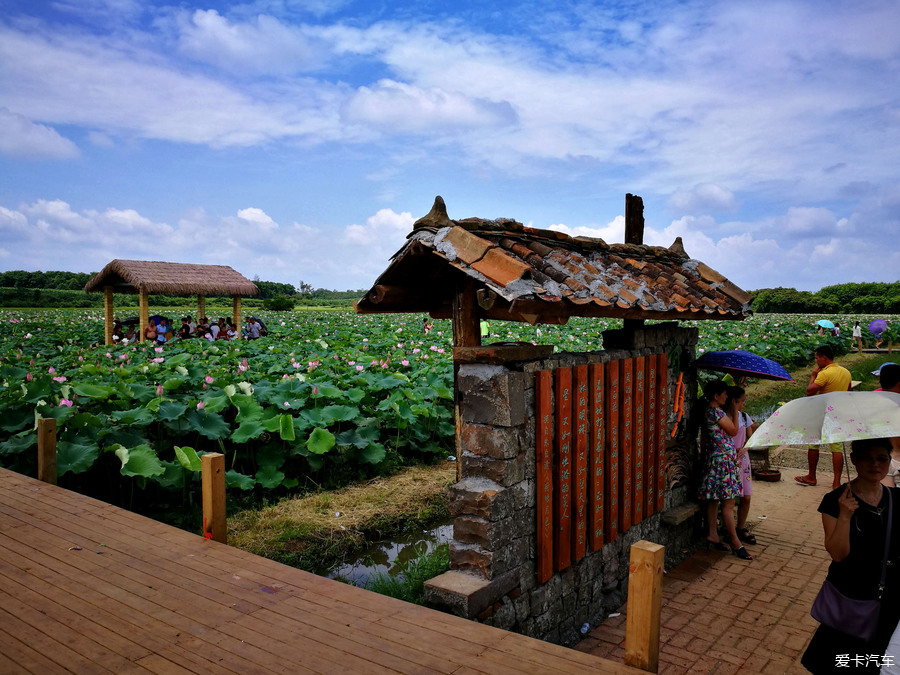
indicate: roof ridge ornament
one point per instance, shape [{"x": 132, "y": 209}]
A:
[{"x": 436, "y": 218}]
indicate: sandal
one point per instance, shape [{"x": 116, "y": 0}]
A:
[
  {"x": 805, "y": 480},
  {"x": 744, "y": 535},
  {"x": 742, "y": 553}
]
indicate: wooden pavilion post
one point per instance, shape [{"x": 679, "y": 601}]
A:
[
  {"x": 213, "y": 485},
  {"x": 46, "y": 438},
  {"x": 108, "y": 314},
  {"x": 143, "y": 310},
  {"x": 236, "y": 315},
  {"x": 466, "y": 333},
  {"x": 201, "y": 307}
]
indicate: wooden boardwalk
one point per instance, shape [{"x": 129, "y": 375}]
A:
[{"x": 86, "y": 587}]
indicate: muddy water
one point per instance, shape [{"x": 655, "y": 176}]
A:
[{"x": 386, "y": 556}]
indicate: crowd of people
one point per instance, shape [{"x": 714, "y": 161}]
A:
[
  {"x": 161, "y": 330},
  {"x": 859, "y": 606}
]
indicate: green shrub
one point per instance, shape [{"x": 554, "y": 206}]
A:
[{"x": 280, "y": 303}]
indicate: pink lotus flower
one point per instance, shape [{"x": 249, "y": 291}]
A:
[
  {"x": 66, "y": 402},
  {"x": 59, "y": 378},
  {"x": 315, "y": 391},
  {"x": 200, "y": 405},
  {"x": 405, "y": 362},
  {"x": 159, "y": 390},
  {"x": 81, "y": 358},
  {"x": 287, "y": 405},
  {"x": 209, "y": 379},
  {"x": 158, "y": 350},
  {"x": 360, "y": 368},
  {"x": 51, "y": 370},
  {"x": 158, "y": 359},
  {"x": 29, "y": 377}
]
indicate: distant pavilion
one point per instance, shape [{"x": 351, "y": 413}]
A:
[{"x": 145, "y": 277}]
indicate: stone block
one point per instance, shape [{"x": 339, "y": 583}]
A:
[
  {"x": 524, "y": 494},
  {"x": 491, "y": 395},
  {"x": 481, "y": 498},
  {"x": 471, "y": 530},
  {"x": 504, "y": 616},
  {"x": 477, "y": 560},
  {"x": 491, "y": 441},
  {"x": 464, "y": 594},
  {"x": 505, "y": 472}
]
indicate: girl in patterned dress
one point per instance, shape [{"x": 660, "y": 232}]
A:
[{"x": 721, "y": 483}]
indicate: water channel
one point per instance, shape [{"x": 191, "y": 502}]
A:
[{"x": 388, "y": 556}]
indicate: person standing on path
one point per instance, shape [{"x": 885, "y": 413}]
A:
[
  {"x": 746, "y": 426},
  {"x": 825, "y": 378},
  {"x": 857, "y": 336}
]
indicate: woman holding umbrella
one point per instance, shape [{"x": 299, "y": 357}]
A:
[
  {"x": 721, "y": 483},
  {"x": 856, "y": 518}
]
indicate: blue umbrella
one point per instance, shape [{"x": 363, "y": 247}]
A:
[
  {"x": 739, "y": 362},
  {"x": 878, "y": 326},
  {"x": 825, "y": 323}
]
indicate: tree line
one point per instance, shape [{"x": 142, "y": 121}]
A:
[
  {"x": 853, "y": 298},
  {"x": 19, "y": 288}
]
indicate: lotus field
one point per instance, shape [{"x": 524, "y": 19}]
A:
[{"x": 327, "y": 397}]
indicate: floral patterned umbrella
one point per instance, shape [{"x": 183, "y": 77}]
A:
[{"x": 831, "y": 418}]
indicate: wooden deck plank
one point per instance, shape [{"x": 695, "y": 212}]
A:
[{"x": 140, "y": 596}]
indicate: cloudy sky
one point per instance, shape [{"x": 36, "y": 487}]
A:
[{"x": 299, "y": 139}]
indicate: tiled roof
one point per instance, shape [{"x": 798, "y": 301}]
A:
[{"x": 527, "y": 274}]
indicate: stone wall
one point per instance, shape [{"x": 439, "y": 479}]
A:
[{"x": 493, "y": 552}]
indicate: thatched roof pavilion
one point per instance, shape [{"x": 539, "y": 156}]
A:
[{"x": 144, "y": 277}]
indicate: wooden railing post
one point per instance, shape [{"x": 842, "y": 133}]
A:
[
  {"x": 46, "y": 438},
  {"x": 645, "y": 573},
  {"x": 213, "y": 477}
]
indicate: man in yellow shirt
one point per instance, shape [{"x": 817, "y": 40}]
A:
[{"x": 826, "y": 377}]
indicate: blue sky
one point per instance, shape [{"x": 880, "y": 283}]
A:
[{"x": 299, "y": 139}]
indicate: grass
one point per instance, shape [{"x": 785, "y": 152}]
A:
[
  {"x": 322, "y": 529},
  {"x": 409, "y": 583}
]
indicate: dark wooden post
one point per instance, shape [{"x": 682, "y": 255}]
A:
[
  {"x": 46, "y": 438},
  {"x": 466, "y": 333},
  {"x": 634, "y": 234},
  {"x": 213, "y": 479}
]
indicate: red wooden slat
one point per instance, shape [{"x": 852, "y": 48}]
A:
[
  {"x": 626, "y": 444},
  {"x": 640, "y": 433},
  {"x": 598, "y": 488},
  {"x": 544, "y": 438},
  {"x": 652, "y": 441},
  {"x": 662, "y": 401},
  {"x": 611, "y": 452},
  {"x": 580, "y": 482},
  {"x": 562, "y": 544}
]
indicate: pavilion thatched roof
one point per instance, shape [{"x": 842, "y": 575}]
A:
[{"x": 130, "y": 276}]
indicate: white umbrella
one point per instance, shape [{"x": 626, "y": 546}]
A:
[{"x": 831, "y": 418}]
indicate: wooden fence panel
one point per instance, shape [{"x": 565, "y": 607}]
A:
[
  {"x": 612, "y": 451},
  {"x": 580, "y": 479},
  {"x": 562, "y": 553},
  {"x": 662, "y": 368},
  {"x": 597, "y": 468},
  {"x": 544, "y": 461},
  {"x": 651, "y": 411},
  {"x": 626, "y": 443},
  {"x": 637, "y": 511}
]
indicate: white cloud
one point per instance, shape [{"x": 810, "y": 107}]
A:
[
  {"x": 611, "y": 233},
  {"x": 703, "y": 197},
  {"x": 263, "y": 45},
  {"x": 399, "y": 107},
  {"x": 258, "y": 217},
  {"x": 20, "y": 137}
]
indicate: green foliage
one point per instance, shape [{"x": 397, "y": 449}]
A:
[
  {"x": 874, "y": 298},
  {"x": 409, "y": 582},
  {"x": 279, "y": 303}
]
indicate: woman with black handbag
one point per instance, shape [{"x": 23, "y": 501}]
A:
[{"x": 859, "y": 604}]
